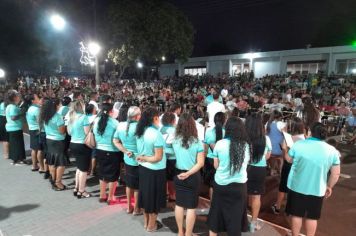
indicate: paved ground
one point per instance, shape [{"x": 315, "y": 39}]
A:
[{"x": 28, "y": 206}]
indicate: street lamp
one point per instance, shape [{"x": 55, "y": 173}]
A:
[
  {"x": 57, "y": 22},
  {"x": 94, "y": 49},
  {"x": 2, "y": 73},
  {"x": 139, "y": 65},
  {"x": 163, "y": 58}
]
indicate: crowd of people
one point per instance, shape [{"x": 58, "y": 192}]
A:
[{"x": 172, "y": 135}]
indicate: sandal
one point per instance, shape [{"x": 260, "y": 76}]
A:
[
  {"x": 56, "y": 188},
  {"x": 129, "y": 210},
  {"x": 103, "y": 200},
  {"x": 75, "y": 192},
  {"x": 137, "y": 213},
  {"x": 34, "y": 169},
  {"x": 158, "y": 227},
  {"x": 83, "y": 195}
]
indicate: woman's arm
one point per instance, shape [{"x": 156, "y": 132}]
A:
[
  {"x": 62, "y": 129},
  {"x": 195, "y": 168},
  {"x": 121, "y": 147},
  {"x": 216, "y": 163},
  {"x": 157, "y": 157}
]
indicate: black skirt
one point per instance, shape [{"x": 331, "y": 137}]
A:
[
  {"x": 16, "y": 146},
  {"x": 43, "y": 144},
  {"x": 56, "y": 153},
  {"x": 187, "y": 191},
  {"x": 256, "y": 180},
  {"x": 132, "y": 176},
  {"x": 284, "y": 177},
  {"x": 227, "y": 208},
  {"x": 82, "y": 155},
  {"x": 305, "y": 206},
  {"x": 152, "y": 189},
  {"x": 209, "y": 172},
  {"x": 4, "y": 136},
  {"x": 171, "y": 169},
  {"x": 35, "y": 140},
  {"x": 109, "y": 165}
]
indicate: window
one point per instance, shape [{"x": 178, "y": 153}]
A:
[{"x": 195, "y": 70}]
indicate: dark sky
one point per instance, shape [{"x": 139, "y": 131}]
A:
[{"x": 222, "y": 26}]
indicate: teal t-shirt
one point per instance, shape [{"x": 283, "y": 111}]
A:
[
  {"x": 146, "y": 145},
  {"x": 105, "y": 142},
  {"x": 32, "y": 115},
  {"x": 76, "y": 128},
  {"x": 13, "y": 125},
  {"x": 222, "y": 175},
  {"x": 209, "y": 99},
  {"x": 2, "y": 109},
  {"x": 268, "y": 148},
  {"x": 128, "y": 140},
  {"x": 187, "y": 158},
  {"x": 63, "y": 110},
  {"x": 210, "y": 138},
  {"x": 312, "y": 160},
  {"x": 51, "y": 128},
  {"x": 168, "y": 133}
]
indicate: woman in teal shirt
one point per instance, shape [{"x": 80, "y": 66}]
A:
[
  {"x": 189, "y": 152},
  {"x": 55, "y": 133},
  {"x": 78, "y": 128},
  {"x": 257, "y": 171},
  {"x": 14, "y": 128},
  {"x": 125, "y": 141},
  {"x": 231, "y": 156},
  {"x": 107, "y": 154},
  {"x": 212, "y": 135},
  {"x": 168, "y": 131},
  {"x": 4, "y": 136},
  {"x": 32, "y": 117},
  {"x": 152, "y": 173}
]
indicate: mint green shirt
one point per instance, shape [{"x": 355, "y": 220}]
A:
[
  {"x": 222, "y": 153},
  {"x": 13, "y": 125},
  {"x": 32, "y": 115},
  {"x": 51, "y": 128},
  {"x": 168, "y": 133},
  {"x": 105, "y": 142},
  {"x": 187, "y": 157},
  {"x": 268, "y": 148},
  {"x": 312, "y": 160},
  {"x": 63, "y": 110},
  {"x": 210, "y": 138},
  {"x": 146, "y": 145},
  {"x": 128, "y": 140},
  {"x": 76, "y": 128},
  {"x": 2, "y": 109}
]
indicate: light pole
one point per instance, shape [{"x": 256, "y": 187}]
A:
[
  {"x": 58, "y": 22},
  {"x": 94, "y": 49}
]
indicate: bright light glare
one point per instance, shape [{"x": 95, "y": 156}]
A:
[
  {"x": 94, "y": 48},
  {"x": 139, "y": 65},
  {"x": 251, "y": 55},
  {"x": 2, "y": 73},
  {"x": 234, "y": 67},
  {"x": 58, "y": 22},
  {"x": 163, "y": 58},
  {"x": 92, "y": 63},
  {"x": 353, "y": 71}
]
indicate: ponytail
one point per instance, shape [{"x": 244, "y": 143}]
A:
[
  {"x": 219, "y": 120},
  {"x": 104, "y": 117}
]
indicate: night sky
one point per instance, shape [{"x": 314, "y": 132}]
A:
[{"x": 222, "y": 26}]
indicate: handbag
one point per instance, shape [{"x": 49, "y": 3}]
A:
[{"x": 90, "y": 138}]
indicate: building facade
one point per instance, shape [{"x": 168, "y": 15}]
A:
[{"x": 338, "y": 60}]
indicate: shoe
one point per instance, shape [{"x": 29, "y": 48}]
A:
[
  {"x": 46, "y": 175},
  {"x": 34, "y": 170},
  {"x": 158, "y": 227},
  {"x": 275, "y": 210},
  {"x": 75, "y": 192},
  {"x": 56, "y": 188},
  {"x": 83, "y": 195},
  {"x": 41, "y": 172},
  {"x": 252, "y": 226},
  {"x": 113, "y": 202},
  {"x": 103, "y": 200}
]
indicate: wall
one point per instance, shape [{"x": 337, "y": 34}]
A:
[
  {"x": 167, "y": 69},
  {"x": 261, "y": 68},
  {"x": 216, "y": 67}
]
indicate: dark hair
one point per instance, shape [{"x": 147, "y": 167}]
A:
[
  {"x": 48, "y": 110},
  {"x": 65, "y": 101},
  {"x": 297, "y": 126},
  {"x": 89, "y": 108},
  {"x": 76, "y": 94},
  {"x": 275, "y": 115},
  {"x": 319, "y": 131},
  {"x": 123, "y": 113},
  {"x": 236, "y": 132},
  {"x": 310, "y": 113},
  {"x": 256, "y": 133},
  {"x": 174, "y": 107},
  {"x": 106, "y": 98},
  {"x": 146, "y": 120},
  {"x": 215, "y": 96},
  {"x": 104, "y": 117},
  {"x": 93, "y": 94},
  {"x": 219, "y": 120},
  {"x": 168, "y": 118},
  {"x": 186, "y": 130}
]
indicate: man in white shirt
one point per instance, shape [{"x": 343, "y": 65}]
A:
[
  {"x": 213, "y": 108},
  {"x": 93, "y": 100}
]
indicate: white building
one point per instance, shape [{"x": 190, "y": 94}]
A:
[{"x": 339, "y": 59}]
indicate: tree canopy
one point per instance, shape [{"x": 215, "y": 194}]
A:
[{"x": 146, "y": 30}]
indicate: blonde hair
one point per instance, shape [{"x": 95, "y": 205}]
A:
[{"x": 77, "y": 106}]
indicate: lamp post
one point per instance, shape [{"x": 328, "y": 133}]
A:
[
  {"x": 58, "y": 22},
  {"x": 94, "y": 49}
]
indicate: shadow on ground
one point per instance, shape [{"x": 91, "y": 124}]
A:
[{"x": 6, "y": 212}]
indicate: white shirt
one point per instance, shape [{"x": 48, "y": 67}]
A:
[
  {"x": 224, "y": 93},
  {"x": 200, "y": 129},
  {"x": 95, "y": 104},
  {"x": 212, "y": 109}
]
